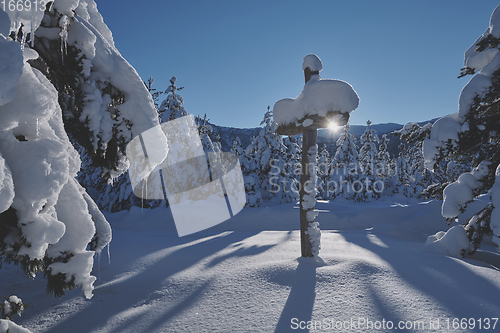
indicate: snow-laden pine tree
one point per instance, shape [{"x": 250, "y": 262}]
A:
[
  {"x": 345, "y": 169},
  {"x": 370, "y": 166},
  {"x": 472, "y": 135},
  {"x": 68, "y": 83},
  {"x": 250, "y": 169},
  {"x": 118, "y": 195},
  {"x": 236, "y": 147},
  {"x": 411, "y": 175},
  {"x": 266, "y": 159},
  {"x": 388, "y": 168},
  {"x": 209, "y": 138},
  {"x": 293, "y": 165},
  {"x": 383, "y": 153},
  {"x": 323, "y": 171},
  {"x": 172, "y": 107},
  {"x": 155, "y": 94},
  {"x": 369, "y": 158}
]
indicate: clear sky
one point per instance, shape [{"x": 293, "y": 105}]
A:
[{"x": 236, "y": 57}]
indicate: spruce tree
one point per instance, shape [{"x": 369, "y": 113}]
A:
[
  {"x": 412, "y": 176},
  {"x": 251, "y": 170},
  {"x": 270, "y": 155},
  {"x": 293, "y": 166},
  {"x": 370, "y": 165},
  {"x": 471, "y": 136},
  {"x": 387, "y": 169},
  {"x": 172, "y": 107},
  {"x": 345, "y": 169},
  {"x": 236, "y": 147},
  {"x": 68, "y": 95},
  {"x": 323, "y": 171},
  {"x": 155, "y": 94}
]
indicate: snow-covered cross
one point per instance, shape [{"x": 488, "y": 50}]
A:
[{"x": 320, "y": 103}]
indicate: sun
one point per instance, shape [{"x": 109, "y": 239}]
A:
[{"x": 333, "y": 127}]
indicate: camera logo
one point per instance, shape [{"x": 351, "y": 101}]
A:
[{"x": 203, "y": 189}]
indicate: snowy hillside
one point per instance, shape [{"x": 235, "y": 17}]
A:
[
  {"x": 229, "y": 134},
  {"x": 358, "y": 130},
  {"x": 246, "y": 275},
  {"x": 325, "y": 136}
]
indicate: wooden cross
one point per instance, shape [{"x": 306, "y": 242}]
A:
[{"x": 309, "y": 139}]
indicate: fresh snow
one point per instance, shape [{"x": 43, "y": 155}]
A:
[
  {"x": 38, "y": 163},
  {"x": 495, "y": 214},
  {"x": 444, "y": 129},
  {"x": 380, "y": 261},
  {"x": 11, "y": 327},
  {"x": 458, "y": 194},
  {"x": 477, "y": 60},
  {"x": 448, "y": 243},
  {"x": 313, "y": 62},
  {"x": 246, "y": 274},
  {"x": 6, "y": 186},
  {"x": 318, "y": 97}
]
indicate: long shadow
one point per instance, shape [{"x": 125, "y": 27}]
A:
[
  {"x": 443, "y": 279},
  {"x": 299, "y": 305},
  {"x": 240, "y": 252},
  {"x": 150, "y": 279}
]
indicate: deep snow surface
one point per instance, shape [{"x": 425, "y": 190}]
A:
[{"x": 245, "y": 275}]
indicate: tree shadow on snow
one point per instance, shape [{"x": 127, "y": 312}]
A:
[
  {"x": 300, "y": 302},
  {"x": 240, "y": 252},
  {"x": 119, "y": 303},
  {"x": 447, "y": 281}
]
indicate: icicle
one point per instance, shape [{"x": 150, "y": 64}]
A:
[
  {"x": 63, "y": 23},
  {"x": 99, "y": 267},
  {"x": 142, "y": 198},
  {"x": 32, "y": 34},
  {"x": 109, "y": 256}
]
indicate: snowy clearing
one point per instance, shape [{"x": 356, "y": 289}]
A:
[{"x": 245, "y": 275}]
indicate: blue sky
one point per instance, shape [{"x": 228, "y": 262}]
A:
[{"x": 235, "y": 58}]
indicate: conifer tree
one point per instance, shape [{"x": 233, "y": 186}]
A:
[
  {"x": 155, "y": 94},
  {"x": 323, "y": 171},
  {"x": 270, "y": 151},
  {"x": 370, "y": 165},
  {"x": 369, "y": 157},
  {"x": 79, "y": 93},
  {"x": 388, "y": 167},
  {"x": 345, "y": 169},
  {"x": 472, "y": 135},
  {"x": 236, "y": 148},
  {"x": 209, "y": 137},
  {"x": 412, "y": 176},
  {"x": 293, "y": 166},
  {"x": 250, "y": 168},
  {"x": 172, "y": 107}
]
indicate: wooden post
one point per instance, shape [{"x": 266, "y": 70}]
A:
[
  {"x": 309, "y": 139},
  {"x": 308, "y": 127}
]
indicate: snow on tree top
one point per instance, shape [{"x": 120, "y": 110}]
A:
[
  {"x": 317, "y": 98},
  {"x": 313, "y": 62},
  {"x": 486, "y": 61},
  {"x": 477, "y": 60},
  {"x": 495, "y": 23}
]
